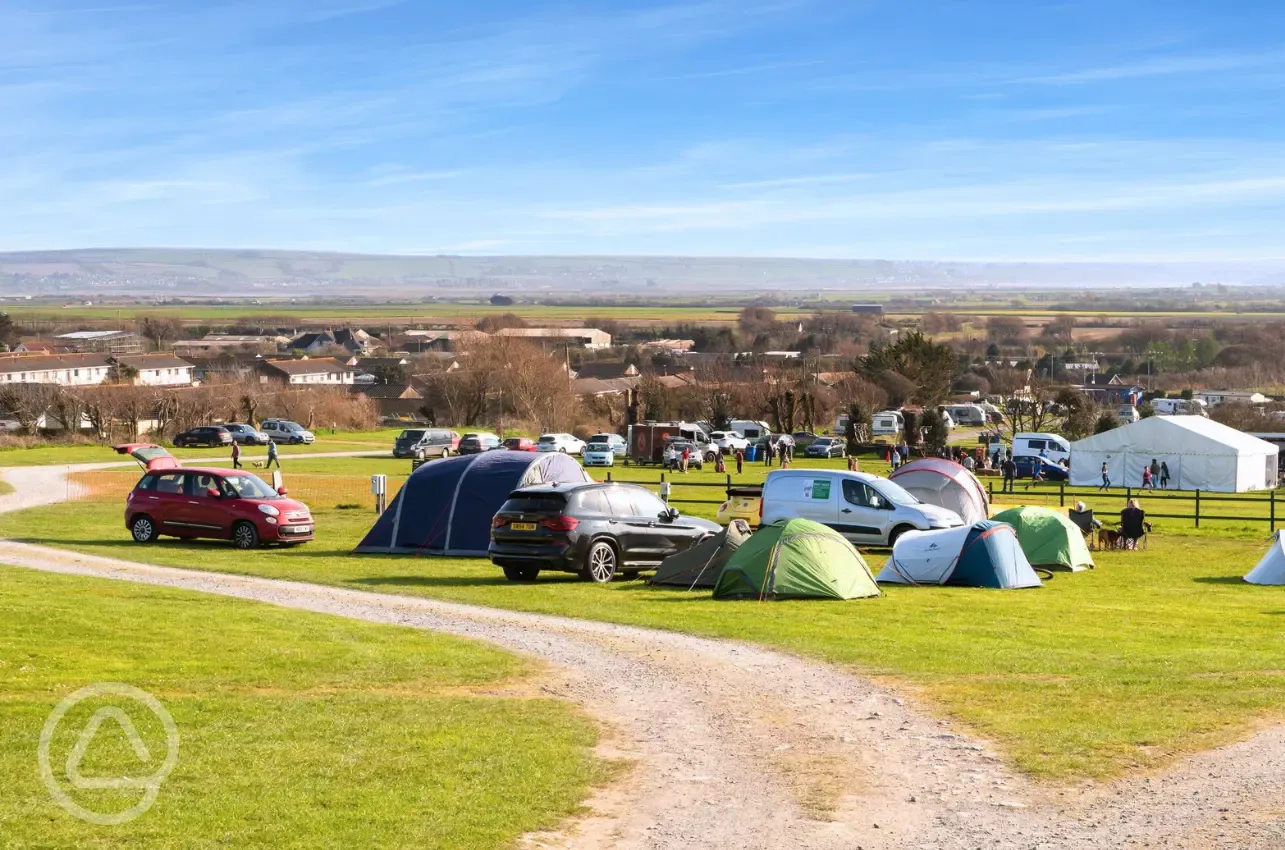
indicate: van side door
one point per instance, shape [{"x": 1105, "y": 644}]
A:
[{"x": 863, "y": 517}]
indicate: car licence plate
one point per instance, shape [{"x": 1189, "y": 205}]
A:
[
  {"x": 522, "y": 526},
  {"x": 298, "y": 529}
]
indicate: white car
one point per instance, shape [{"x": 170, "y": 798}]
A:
[
  {"x": 728, "y": 441},
  {"x": 285, "y": 431},
  {"x": 866, "y": 509},
  {"x": 603, "y": 449},
  {"x": 565, "y": 443}
]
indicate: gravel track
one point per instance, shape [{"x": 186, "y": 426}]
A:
[{"x": 734, "y": 746}]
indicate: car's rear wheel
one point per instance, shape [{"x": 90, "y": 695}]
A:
[
  {"x": 600, "y": 563},
  {"x": 245, "y": 536},
  {"x": 521, "y": 573},
  {"x": 446, "y": 452},
  {"x": 143, "y": 529}
]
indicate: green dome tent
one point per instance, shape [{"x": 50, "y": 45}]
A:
[
  {"x": 1048, "y": 538},
  {"x": 701, "y": 565},
  {"x": 795, "y": 559}
]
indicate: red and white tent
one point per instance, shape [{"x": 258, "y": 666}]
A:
[{"x": 946, "y": 484}]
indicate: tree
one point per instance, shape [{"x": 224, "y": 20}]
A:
[
  {"x": 936, "y": 434},
  {"x": 160, "y": 330},
  {"x": 929, "y": 365},
  {"x": 1105, "y": 422},
  {"x": 388, "y": 373},
  {"x": 8, "y": 332},
  {"x": 1081, "y": 413},
  {"x": 501, "y": 301},
  {"x": 491, "y": 324},
  {"x": 1060, "y": 329},
  {"x": 910, "y": 424},
  {"x": 860, "y": 423},
  {"x": 1146, "y": 409}
]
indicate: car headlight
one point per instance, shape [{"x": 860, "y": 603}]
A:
[
  {"x": 938, "y": 523},
  {"x": 269, "y": 510}
]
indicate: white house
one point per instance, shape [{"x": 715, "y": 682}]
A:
[
  {"x": 320, "y": 372},
  {"x": 68, "y": 370},
  {"x": 159, "y": 370},
  {"x": 1213, "y": 397},
  {"x": 590, "y": 338}
]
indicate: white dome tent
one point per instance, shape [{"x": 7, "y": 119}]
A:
[
  {"x": 946, "y": 484},
  {"x": 1201, "y": 455},
  {"x": 1271, "y": 569}
]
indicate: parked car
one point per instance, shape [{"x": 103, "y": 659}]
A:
[
  {"x": 246, "y": 435},
  {"x": 728, "y": 442},
  {"x": 520, "y": 444},
  {"x": 674, "y": 454},
  {"x": 825, "y": 447},
  {"x": 423, "y": 443},
  {"x": 803, "y": 439},
  {"x": 595, "y": 530},
  {"x": 150, "y": 456},
  {"x": 1127, "y": 413},
  {"x": 565, "y": 443},
  {"x": 285, "y": 431},
  {"x": 209, "y": 436},
  {"x": 603, "y": 449},
  {"x": 742, "y": 503},
  {"x": 864, "y": 508},
  {"x": 477, "y": 442},
  {"x": 1050, "y": 471},
  {"x": 223, "y": 504}
]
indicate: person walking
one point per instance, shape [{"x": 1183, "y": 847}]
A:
[
  {"x": 1164, "y": 475},
  {"x": 685, "y": 459},
  {"x": 740, "y": 461},
  {"x": 1009, "y": 469},
  {"x": 236, "y": 455},
  {"x": 1106, "y": 477},
  {"x": 1147, "y": 481},
  {"x": 272, "y": 454},
  {"x": 1155, "y": 472}
]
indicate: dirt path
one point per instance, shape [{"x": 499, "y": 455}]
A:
[{"x": 740, "y": 747}]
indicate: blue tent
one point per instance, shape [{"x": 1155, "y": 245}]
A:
[
  {"x": 984, "y": 554},
  {"x": 445, "y": 507}
]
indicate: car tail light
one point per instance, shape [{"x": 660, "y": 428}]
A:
[
  {"x": 560, "y": 523},
  {"x": 760, "y": 510},
  {"x": 725, "y": 505},
  {"x": 499, "y": 521}
]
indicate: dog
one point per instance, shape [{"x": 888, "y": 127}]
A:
[{"x": 258, "y": 464}]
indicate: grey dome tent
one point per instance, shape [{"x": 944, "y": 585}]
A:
[{"x": 700, "y": 565}]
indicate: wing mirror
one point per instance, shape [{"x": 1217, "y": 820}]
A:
[
  {"x": 281, "y": 491},
  {"x": 669, "y": 515},
  {"x": 213, "y": 493}
]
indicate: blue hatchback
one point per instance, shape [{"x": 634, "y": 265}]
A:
[{"x": 1050, "y": 471}]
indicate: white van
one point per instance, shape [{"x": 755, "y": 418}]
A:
[
  {"x": 1053, "y": 446},
  {"x": 866, "y": 509},
  {"x": 967, "y": 415},
  {"x": 1127, "y": 413},
  {"x": 1179, "y": 407}
]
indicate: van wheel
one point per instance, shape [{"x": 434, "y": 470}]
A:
[
  {"x": 600, "y": 563},
  {"x": 245, "y": 536},
  {"x": 521, "y": 573},
  {"x": 897, "y": 532},
  {"x": 143, "y": 529}
]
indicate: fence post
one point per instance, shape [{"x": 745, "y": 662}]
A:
[
  {"x": 608, "y": 476},
  {"x": 1197, "y": 509},
  {"x": 1128, "y": 494},
  {"x": 1061, "y": 494},
  {"x": 990, "y": 488},
  {"x": 1273, "y": 495}
]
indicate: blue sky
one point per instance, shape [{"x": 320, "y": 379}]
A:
[{"x": 916, "y": 129}]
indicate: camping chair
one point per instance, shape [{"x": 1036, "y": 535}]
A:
[
  {"x": 1084, "y": 521},
  {"x": 1133, "y": 530}
]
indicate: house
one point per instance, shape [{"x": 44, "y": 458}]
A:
[
  {"x": 158, "y": 370},
  {"x": 35, "y": 346},
  {"x": 669, "y": 346},
  {"x": 320, "y": 372},
  {"x": 392, "y": 400},
  {"x": 419, "y": 341},
  {"x": 112, "y": 342},
  {"x": 606, "y": 370},
  {"x": 589, "y": 338},
  {"x": 315, "y": 342},
  {"x": 1213, "y": 397},
  {"x": 1111, "y": 390},
  {"x": 224, "y": 365},
  {"x": 211, "y": 344},
  {"x": 585, "y": 387},
  {"x": 68, "y": 370},
  {"x": 356, "y": 341}
]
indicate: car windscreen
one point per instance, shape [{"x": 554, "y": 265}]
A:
[
  {"x": 410, "y": 436},
  {"x": 250, "y": 487},
  {"x": 548, "y": 438},
  {"x": 534, "y": 504},
  {"x": 894, "y": 493},
  {"x": 600, "y": 438}
]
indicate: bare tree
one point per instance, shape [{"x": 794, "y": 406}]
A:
[{"x": 160, "y": 331}]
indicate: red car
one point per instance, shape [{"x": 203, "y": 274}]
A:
[
  {"x": 224, "y": 504},
  {"x": 520, "y": 444}
]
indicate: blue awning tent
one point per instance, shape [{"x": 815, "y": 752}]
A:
[
  {"x": 984, "y": 554},
  {"x": 445, "y": 507}
]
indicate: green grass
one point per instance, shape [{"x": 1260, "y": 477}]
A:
[
  {"x": 1154, "y": 655},
  {"x": 296, "y": 729}
]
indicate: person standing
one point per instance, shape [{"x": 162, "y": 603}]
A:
[
  {"x": 1155, "y": 472},
  {"x": 272, "y": 454},
  {"x": 969, "y": 463},
  {"x": 740, "y": 461},
  {"x": 1009, "y": 468},
  {"x": 1106, "y": 477},
  {"x": 1164, "y": 475},
  {"x": 768, "y": 448},
  {"x": 686, "y": 458},
  {"x": 236, "y": 455},
  {"x": 719, "y": 465}
]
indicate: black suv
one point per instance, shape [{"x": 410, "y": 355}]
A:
[
  {"x": 595, "y": 530},
  {"x": 476, "y": 443},
  {"x": 211, "y": 436}
]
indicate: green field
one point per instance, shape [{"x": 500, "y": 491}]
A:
[
  {"x": 295, "y": 729},
  {"x": 1156, "y": 654}
]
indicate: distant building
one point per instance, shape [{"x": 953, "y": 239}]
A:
[
  {"x": 112, "y": 342},
  {"x": 606, "y": 370},
  {"x": 868, "y": 309},
  {"x": 320, "y": 372},
  {"x": 1213, "y": 397},
  {"x": 68, "y": 370},
  {"x": 217, "y": 343},
  {"x": 590, "y": 338},
  {"x": 1111, "y": 390},
  {"x": 670, "y": 346},
  {"x": 158, "y": 370}
]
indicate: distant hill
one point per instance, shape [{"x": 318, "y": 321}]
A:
[{"x": 251, "y": 272}]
